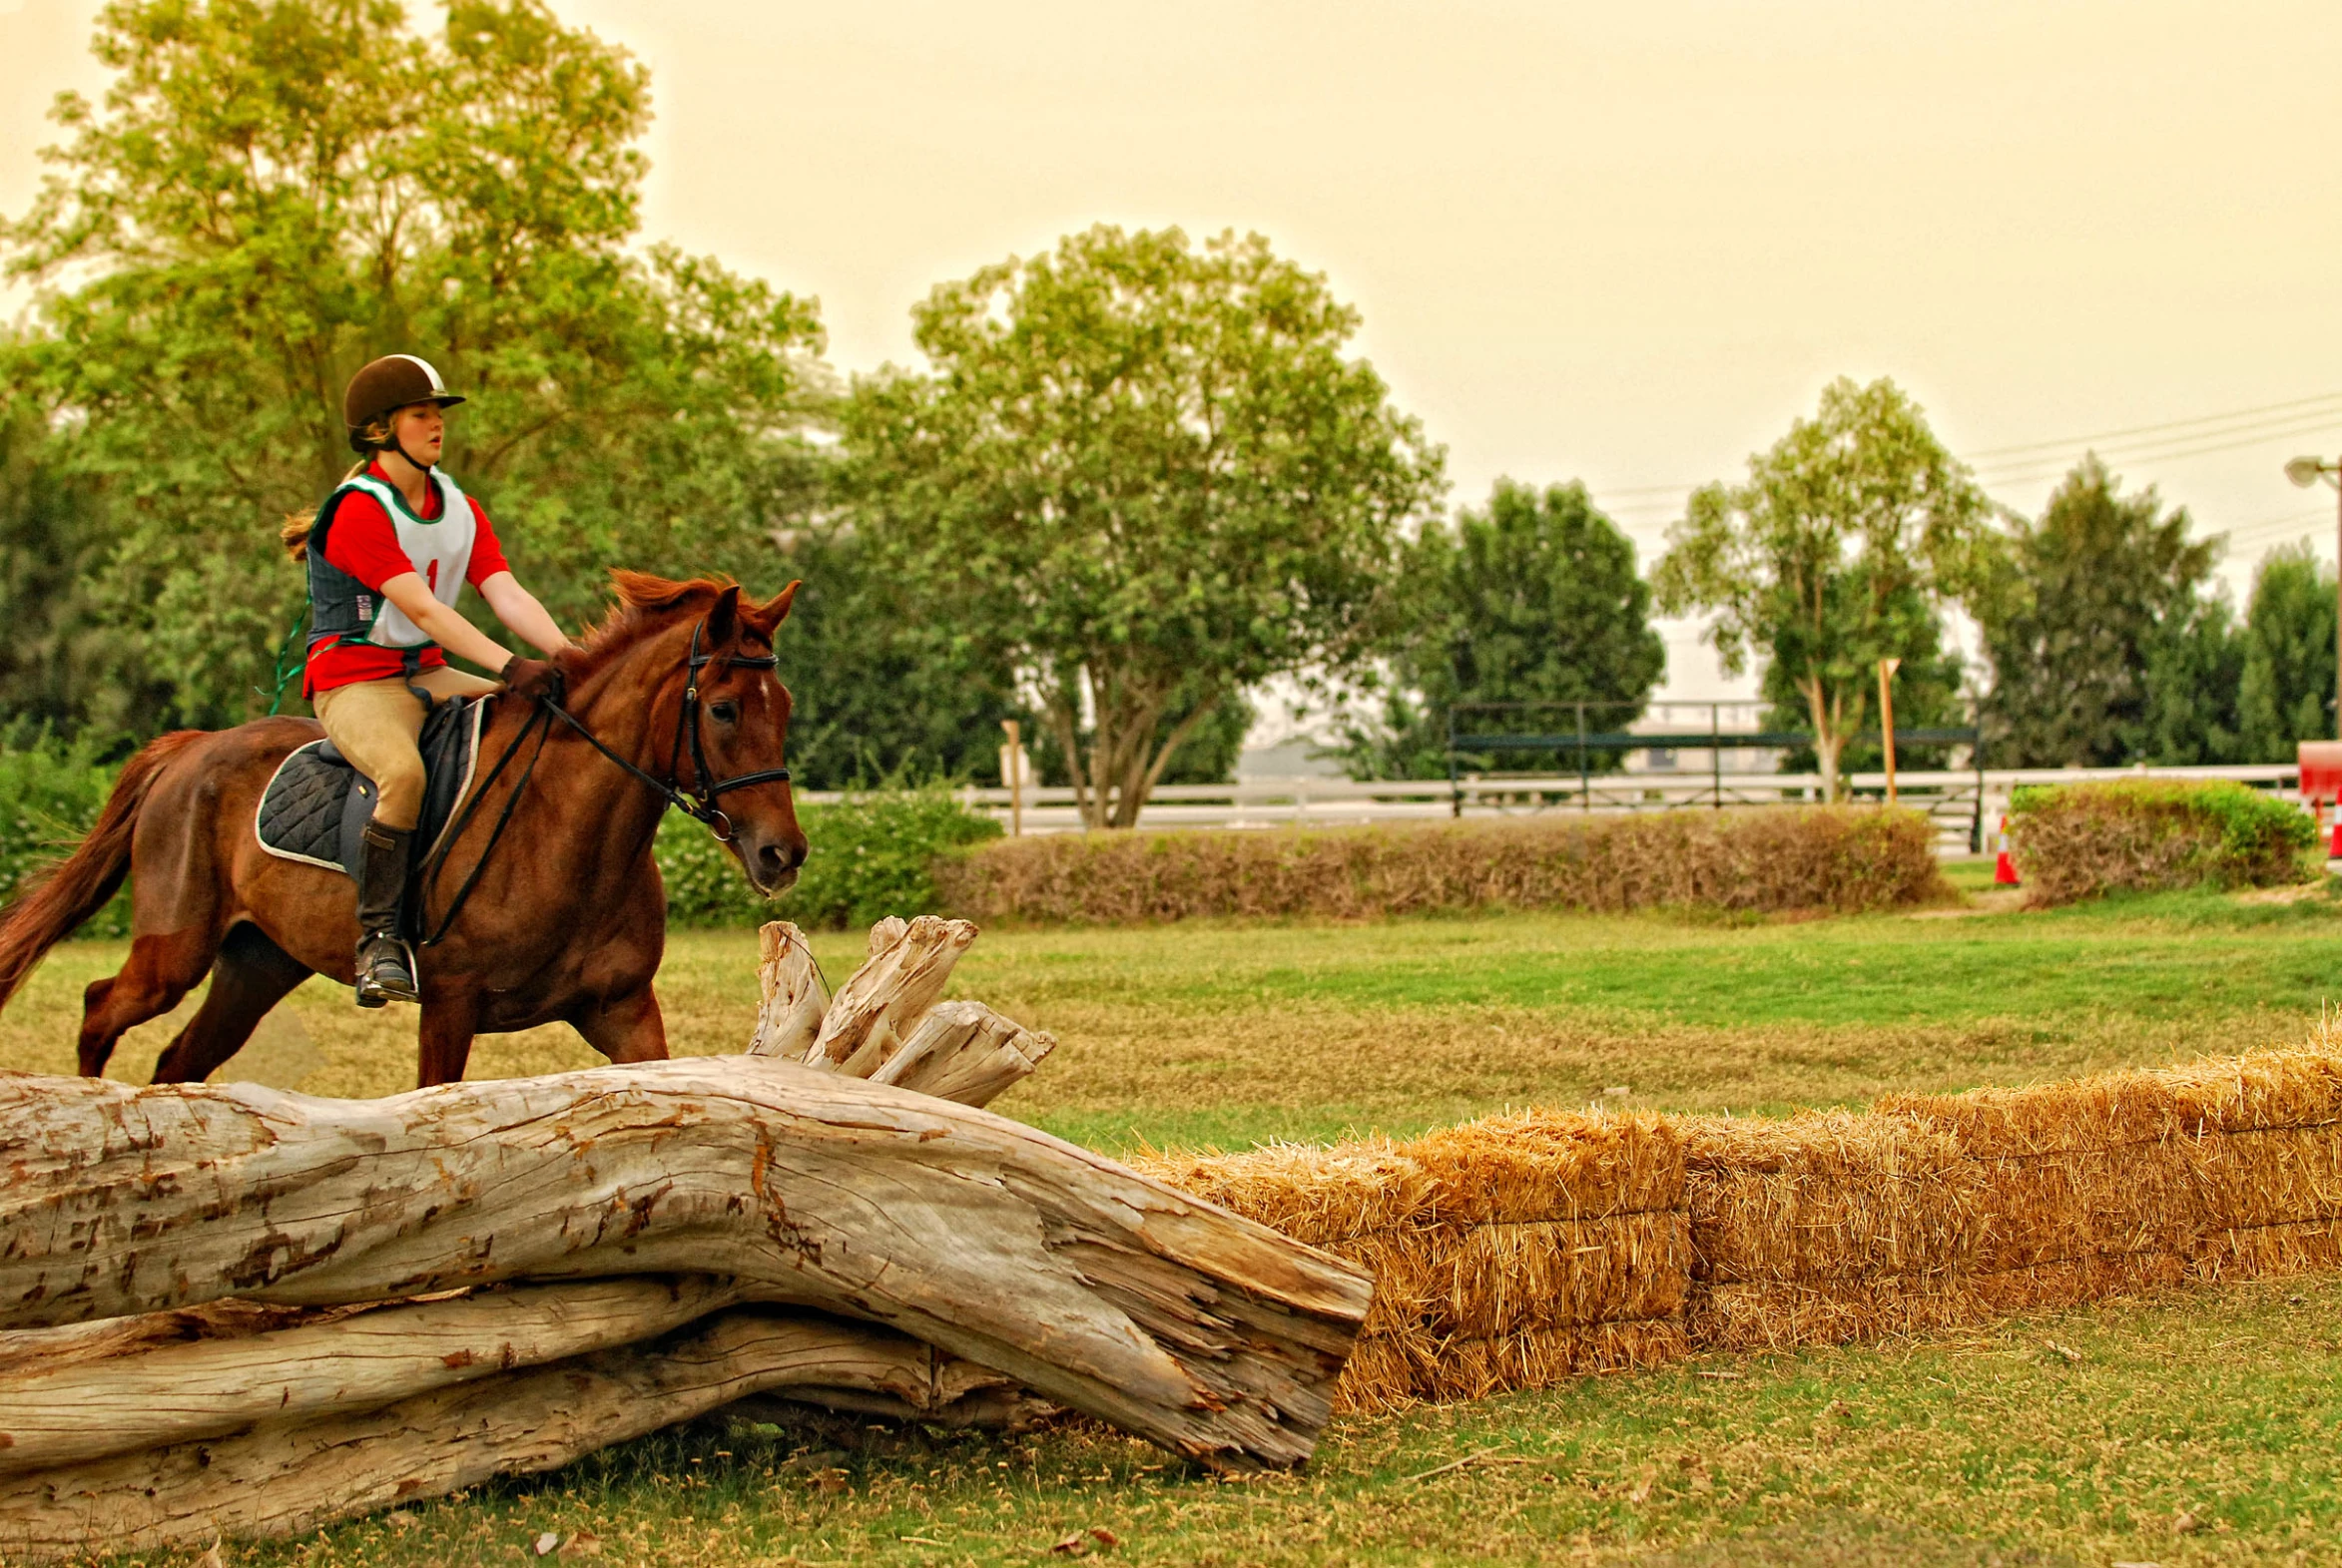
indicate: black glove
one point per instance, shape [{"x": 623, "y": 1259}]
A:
[{"x": 533, "y": 678}]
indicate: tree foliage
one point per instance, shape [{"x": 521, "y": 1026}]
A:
[
  {"x": 1534, "y": 600},
  {"x": 1149, "y": 472},
  {"x": 2285, "y": 690},
  {"x": 1839, "y": 550},
  {"x": 2084, "y": 605},
  {"x": 273, "y": 192}
]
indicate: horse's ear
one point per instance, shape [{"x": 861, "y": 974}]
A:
[
  {"x": 724, "y": 618},
  {"x": 765, "y": 618}
]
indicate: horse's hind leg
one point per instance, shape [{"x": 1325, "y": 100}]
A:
[
  {"x": 250, "y": 975},
  {"x": 162, "y": 970}
]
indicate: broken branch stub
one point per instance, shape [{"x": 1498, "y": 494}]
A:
[
  {"x": 873, "y": 1011},
  {"x": 966, "y": 1052},
  {"x": 794, "y": 998}
]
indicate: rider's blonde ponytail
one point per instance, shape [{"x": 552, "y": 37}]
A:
[{"x": 294, "y": 533}]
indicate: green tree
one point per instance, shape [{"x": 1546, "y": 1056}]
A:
[
  {"x": 883, "y": 686},
  {"x": 2082, "y": 601},
  {"x": 275, "y": 191},
  {"x": 1534, "y": 600},
  {"x": 1838, "y": 551},
  {"x": 2285, "y": 692},
  {"x": 2195, "y": 672},
  {"x": 1148, "y": 473}
]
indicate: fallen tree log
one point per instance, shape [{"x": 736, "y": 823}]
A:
[
  {"x": 1110, "y": 1293},
  {"x": 909, "y": 966},
  {"x": 285, "y": 1475}
]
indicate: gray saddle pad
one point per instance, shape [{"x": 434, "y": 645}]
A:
[{"x": 316, "y": 804}]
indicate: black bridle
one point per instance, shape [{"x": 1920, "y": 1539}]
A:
[{"x": 698, "y": 803}]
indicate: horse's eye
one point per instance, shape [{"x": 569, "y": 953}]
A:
[{"x": 724, "y": 713}]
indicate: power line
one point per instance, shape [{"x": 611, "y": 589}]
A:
[
  {"x": 2170, "y": 441},
  {"x": 2148, "y": 429},
  {"x": 2032, "y": 473}
]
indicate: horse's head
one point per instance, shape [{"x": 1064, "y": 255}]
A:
[{"x": 737, "y": 724}]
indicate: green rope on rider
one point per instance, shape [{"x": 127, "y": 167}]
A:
[{"x": 282, "y": 671}]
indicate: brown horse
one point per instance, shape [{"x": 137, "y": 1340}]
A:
[{"x": 568, "y": 919}]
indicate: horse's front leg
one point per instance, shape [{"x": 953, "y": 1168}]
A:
[
  {"x": 626, "y": 1028},
  {"x": 450, "y": 1020}
]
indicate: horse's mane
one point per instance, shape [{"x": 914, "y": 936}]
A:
[{"x": 645, "y": 605}]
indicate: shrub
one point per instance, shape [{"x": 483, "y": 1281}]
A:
[
  {"x": 872, "y": 856},
  {"x": 1778, "y": 859},
  {"x": 49, "y": 795},
  {"x": 2079, "y": 840}
]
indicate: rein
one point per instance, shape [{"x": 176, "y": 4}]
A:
[{"x": 698, "y": 803}]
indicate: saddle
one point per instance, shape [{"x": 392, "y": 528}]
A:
[{"x": 316, "y": 804}]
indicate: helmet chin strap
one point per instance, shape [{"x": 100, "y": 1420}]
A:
[{"x": 396, "y": 446}]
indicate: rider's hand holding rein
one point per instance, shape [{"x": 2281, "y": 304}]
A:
[{"x": 388, "y": 555}]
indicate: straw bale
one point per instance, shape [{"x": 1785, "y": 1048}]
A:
[
  {"x": 1467, "y": 1367},
  {"x": 1826, "y": 1195},
  {"x": 2261, "y": 1251},
  {"x": 1785, "y": 1314},
  {"x": 2273, "y": 1176},
  {"x": 1503, "y": 1278},
  {"x": 1537, "y": 1166},
  {"x": 2256, "y": 1092},
  {"x": 1322, "y": 1197}
]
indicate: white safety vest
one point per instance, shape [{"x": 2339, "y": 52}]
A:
[{"x": 440, "y": 548}]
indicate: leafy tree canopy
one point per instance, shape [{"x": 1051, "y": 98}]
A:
[
  {"x": 274, "y": 191},
  {"x": 1534, "y": 600},
  {"x": 2080, "y": 604},
  {"x": 2285, "y": 691},
  {"x": 1836, "y": 552},
  {"x": 1149, "y": 473}
]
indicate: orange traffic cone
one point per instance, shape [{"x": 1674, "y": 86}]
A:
[{"x": 2005, "y": 866}]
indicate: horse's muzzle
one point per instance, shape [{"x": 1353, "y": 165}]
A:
[{"x": 771, "y": 861}]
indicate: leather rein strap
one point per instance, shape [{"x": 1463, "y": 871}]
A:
[{"x": 698, "y": 803}]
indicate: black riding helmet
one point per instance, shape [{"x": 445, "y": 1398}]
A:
[{"x": 383, "y": 388}]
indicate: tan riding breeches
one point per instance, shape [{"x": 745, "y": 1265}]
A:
[{"x": 375, "y": 723}]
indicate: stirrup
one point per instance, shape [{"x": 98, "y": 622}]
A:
[{"x": 385, "y": 972}]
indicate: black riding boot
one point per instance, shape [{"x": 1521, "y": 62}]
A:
[{"x": 385, "y": 964}]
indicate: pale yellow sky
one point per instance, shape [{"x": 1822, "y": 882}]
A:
[{"x": 1622, "y": 242}]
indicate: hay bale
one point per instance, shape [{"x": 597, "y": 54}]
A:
[
  {"x": 1504, "y": 1278},
  {"x": 1537, "y": 1166},
  {"x": 1828, "y": 1195}
]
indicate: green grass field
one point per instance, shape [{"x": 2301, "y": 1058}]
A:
[{"x": 2187, "y": 1427}]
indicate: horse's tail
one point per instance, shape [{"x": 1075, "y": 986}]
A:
[{"x": 79, "y": 885}]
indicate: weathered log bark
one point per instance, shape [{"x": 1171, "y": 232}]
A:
[
  {"x": 1113, "y": 1294},
  {"x": 872, "y": 1012},
  {"x": 285, "y": 1475},
  {"x": 80, "y": 1409},
  {"x": 793, "y": 996}
]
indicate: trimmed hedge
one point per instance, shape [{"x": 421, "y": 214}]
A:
[
  {"x": 1789, "y": 857},
  {"x": 872, "y": 852},
  {"x": 2076, "y": 842}
]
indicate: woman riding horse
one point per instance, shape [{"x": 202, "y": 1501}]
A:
[{"x": 388, "y": 554}]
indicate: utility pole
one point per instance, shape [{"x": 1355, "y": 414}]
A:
[
  {"x": 2306, "y": 471},
  {"x": 1887, "y": 669}
]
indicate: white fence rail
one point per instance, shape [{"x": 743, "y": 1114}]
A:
[{"x": 1961, "y": 804}]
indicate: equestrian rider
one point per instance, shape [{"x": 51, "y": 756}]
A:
[{"x": 388, "y": 554}]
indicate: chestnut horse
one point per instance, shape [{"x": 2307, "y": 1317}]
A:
[{"x": 672, "y": 695}]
